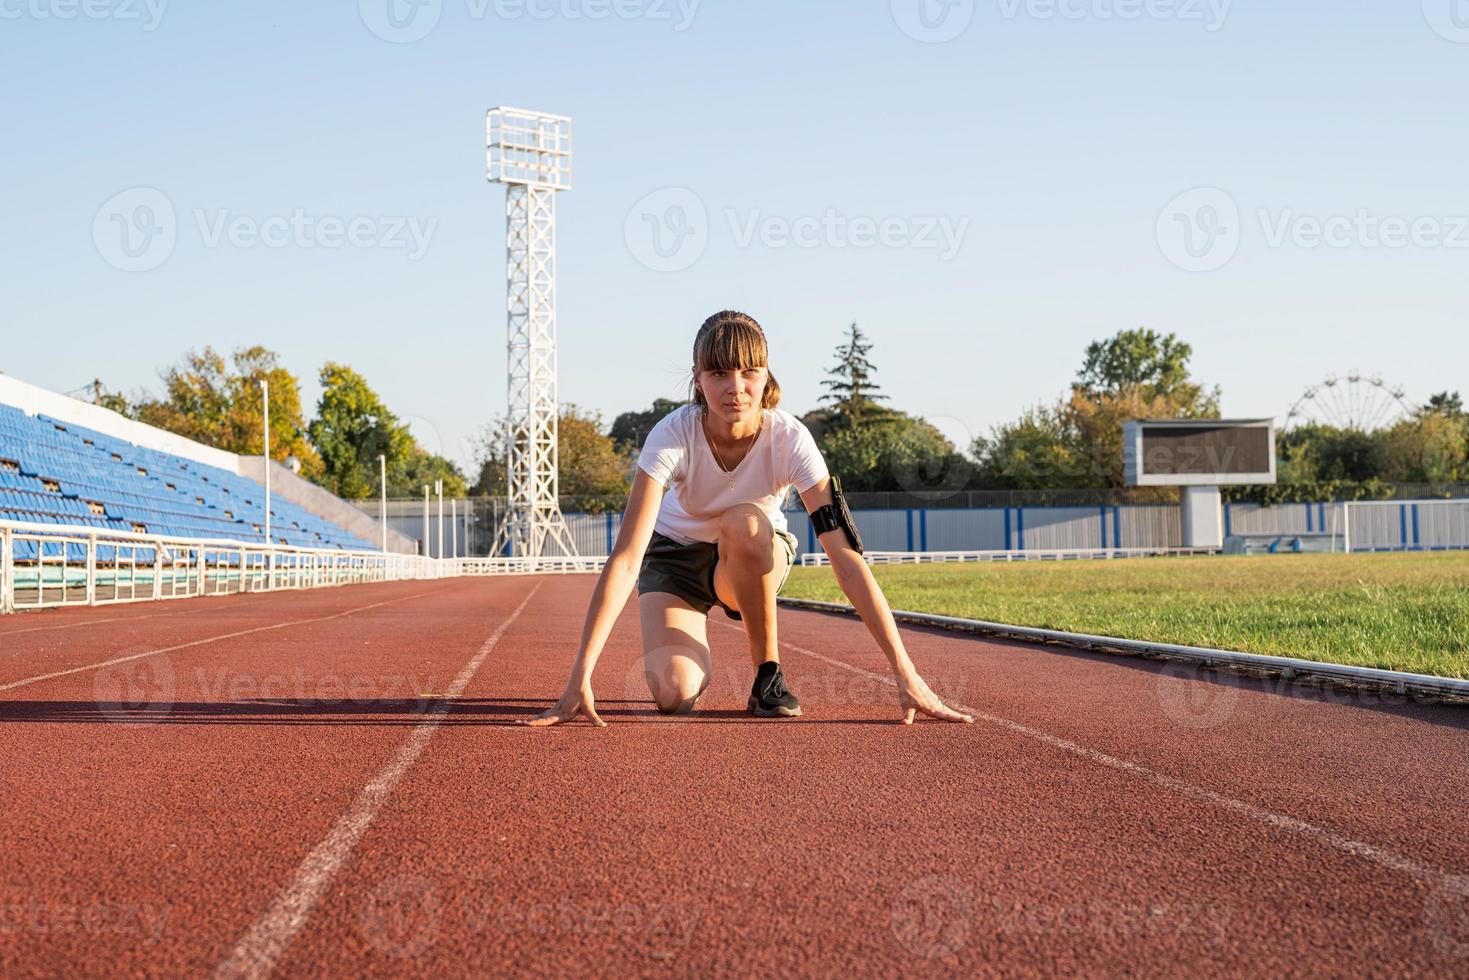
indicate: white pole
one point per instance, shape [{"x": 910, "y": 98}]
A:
[
  {"x": 382, "y": 464},
  {"x": 265, "y": 451},
  {"x": 453, "y": 528},
  {"x": 1346, "y": 526},
  {"x": 425, "y": 521},
  {"x": 439, "y": 489}
]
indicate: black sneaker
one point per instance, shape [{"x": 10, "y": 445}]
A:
[{"x": 769, "y": 698}]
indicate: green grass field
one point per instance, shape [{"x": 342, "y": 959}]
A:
[{"x": 1395, "y": 611}]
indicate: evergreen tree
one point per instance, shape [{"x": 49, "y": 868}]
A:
[{"x": 850, "y": 388}]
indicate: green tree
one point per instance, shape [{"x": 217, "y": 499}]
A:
[
  {"x": 1149, "y": 365},
  {"x": 207, "y": 400},
  {"x": 1077, "y": 441},
  {"x": 351, "y": 429},
  {"x": 422, "y": 468},
  {"x": 850, "y": 388},
  {"x": 113, "y": 400},
  {"x": 588, "y": 462},
  {"x": 1037, "y": 451},
  {"x": 896, "y": 453},
  {"x": 630, "y": 428}
]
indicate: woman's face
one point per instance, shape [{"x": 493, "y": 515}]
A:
[{"x": 733, "y": 396}]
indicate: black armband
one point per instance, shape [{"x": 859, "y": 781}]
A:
[{"x": 836, "y": 515}]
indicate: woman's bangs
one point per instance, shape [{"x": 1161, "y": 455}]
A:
[{"x": 732, "y": 349}]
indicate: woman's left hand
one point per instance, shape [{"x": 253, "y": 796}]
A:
[{"x": 915, "y": 696}]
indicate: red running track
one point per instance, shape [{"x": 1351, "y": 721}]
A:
[{"x": 331, "y": 783}]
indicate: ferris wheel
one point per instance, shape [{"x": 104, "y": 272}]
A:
[{"x": 1357, "y": 401}]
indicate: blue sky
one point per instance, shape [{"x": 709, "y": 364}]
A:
[{"x": 984, "y": 186}]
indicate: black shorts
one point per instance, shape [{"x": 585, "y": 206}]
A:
[{"x": 687, "y": 570}]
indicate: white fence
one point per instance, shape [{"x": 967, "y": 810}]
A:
[{"x": 44, "y": 565}]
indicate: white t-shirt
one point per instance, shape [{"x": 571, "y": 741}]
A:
[{"x": 679, "y": 457}]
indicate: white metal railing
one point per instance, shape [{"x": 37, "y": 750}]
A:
[
  {"x": 819, "y": 559},
  {"x": 46, "y": 565},
  {"x": 526, "y": 566}
]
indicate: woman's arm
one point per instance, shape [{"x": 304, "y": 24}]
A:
[
  {"x": 614, "y": 585},
  {"x": 858, "y": 585}
]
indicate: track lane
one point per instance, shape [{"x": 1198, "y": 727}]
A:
[
  {"x": 186, "y": 808},
  {"x": 839, "y": 841},
  {"x": 716, "y": 842}
]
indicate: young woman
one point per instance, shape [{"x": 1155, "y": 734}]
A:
[{"x": 721, "y": 539}]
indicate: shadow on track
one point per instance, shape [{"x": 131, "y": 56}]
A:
[{"x": 381, "y": 713}]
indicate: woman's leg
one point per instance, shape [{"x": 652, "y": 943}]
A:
[
  {"x": 675, "y": 651},
  {"x": 752, "y": 560}
]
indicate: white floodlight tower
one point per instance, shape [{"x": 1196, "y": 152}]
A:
[{"x": 530, "y": 153}]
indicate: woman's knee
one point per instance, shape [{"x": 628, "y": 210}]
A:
[
  {"x": 745, "y": 528},
  {"x": 676, "y": 690}
]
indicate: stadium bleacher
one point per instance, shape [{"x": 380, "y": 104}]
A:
[{"x": 55, "y": 472}]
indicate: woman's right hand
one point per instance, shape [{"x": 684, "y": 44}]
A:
[{"x": 577, "y": 700}]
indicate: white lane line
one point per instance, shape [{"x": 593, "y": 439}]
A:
[
  {"x": 194, "y": 643},
  {"x": 261, "y": 947},
  {"x": 1369, "y": 852},
  {"x": 128, "y": 619}
]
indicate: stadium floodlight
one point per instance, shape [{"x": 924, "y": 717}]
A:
[
  {"x": 265, "y": 452},
  {"x": 530, "y": 153},
  {"x": 382, "y": 465}
]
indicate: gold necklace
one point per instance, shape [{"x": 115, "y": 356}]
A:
[{"x": 728, "y": 472}]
